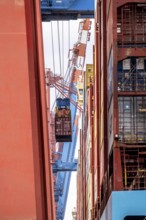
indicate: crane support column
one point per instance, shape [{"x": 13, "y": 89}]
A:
[{"x": 25, "y": 178}]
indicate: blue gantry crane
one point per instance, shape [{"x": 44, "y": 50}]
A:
[
  {"x": 66, "y": 9},
  {"x": 66, "y": 161},
  {"x": 64, "y": 175},
  {"x": 61, "y": 166},
  {"x": 69, "y": 10},
  {"x": 63, "y": 162}
]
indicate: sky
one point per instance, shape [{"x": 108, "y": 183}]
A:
[{"x": 64, "y": 35}]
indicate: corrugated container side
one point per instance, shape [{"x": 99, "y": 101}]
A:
[
  {"x": 102, "y": 113},
  {"x": 63, "y": 131},
  {"x": 109, "y": 28}
]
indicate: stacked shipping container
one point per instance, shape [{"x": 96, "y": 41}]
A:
[
  {"x": 124, "y": 149},
  {"x": 119, "y": 147},
  {"x": 85, "y": 167},
  {"x": 63, "y": 130}
]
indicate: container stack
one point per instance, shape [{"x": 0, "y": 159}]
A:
[{"x": 63, "y": 128}]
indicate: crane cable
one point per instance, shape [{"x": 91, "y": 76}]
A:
[
  {"x": 59, "y": 46},
  {"x": 61, "y": 61},
  {"x": 52, "y": 48},
  {"x": 62, "y": 55},
  {"x": 53, "y": 53},
  {"x": 62, "y": 49},
  {"x": 68, "y": 35},
  {"x": 67, "y": 73}
]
